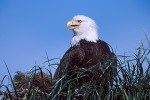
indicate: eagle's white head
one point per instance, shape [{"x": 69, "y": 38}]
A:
[{"x": 83, "y": 28}]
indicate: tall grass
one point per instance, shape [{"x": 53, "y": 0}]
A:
[{"x": 131, "y": 82}]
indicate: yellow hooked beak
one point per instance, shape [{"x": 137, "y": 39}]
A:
[{"x": 73, "y": 24}]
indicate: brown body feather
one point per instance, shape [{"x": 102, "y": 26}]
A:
[{"x": 84, "y": 55}]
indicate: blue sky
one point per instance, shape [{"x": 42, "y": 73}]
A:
[{"x": 30, "y": 28}]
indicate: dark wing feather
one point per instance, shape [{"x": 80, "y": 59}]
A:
[{"x": 71, "y": 59}]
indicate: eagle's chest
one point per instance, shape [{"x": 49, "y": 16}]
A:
[
  {"x": 92, "y": 49},
  {"x": 92, "y": 54}
]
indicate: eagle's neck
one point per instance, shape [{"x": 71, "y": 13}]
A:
[{"x": 91, "y": 36}]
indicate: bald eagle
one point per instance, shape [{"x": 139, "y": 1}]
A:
[{"x": 86, "y": 51}]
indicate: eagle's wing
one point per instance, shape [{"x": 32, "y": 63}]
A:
[
  {"x": 71, "y": 59},
  {"x": 110, "y": 60}
]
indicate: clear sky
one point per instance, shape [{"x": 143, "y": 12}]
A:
[{"x": 30, "y": 28}]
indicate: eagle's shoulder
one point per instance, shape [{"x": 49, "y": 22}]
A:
[
  {"x": 74, "y": 55},
  {"x": 104, "y": 46}
]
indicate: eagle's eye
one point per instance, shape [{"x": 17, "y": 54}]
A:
[{"x": 79, "y": 21}]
